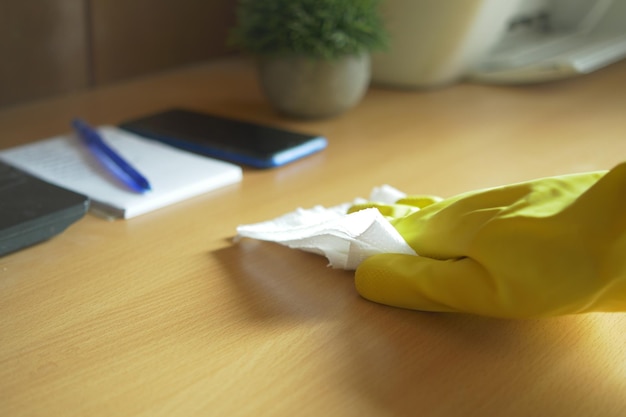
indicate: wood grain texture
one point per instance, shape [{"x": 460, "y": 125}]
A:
[
  {"x": 43, "y": 49},
  {"x": 55, "y": 47},
  {"x": 163, "y": 315},
  {"x": 140, "y": 37}
]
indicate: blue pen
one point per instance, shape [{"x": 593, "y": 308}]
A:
[{"x": 113, "y": 162}]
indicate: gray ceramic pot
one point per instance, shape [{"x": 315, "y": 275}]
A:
[{"x": 308, "y": 88}]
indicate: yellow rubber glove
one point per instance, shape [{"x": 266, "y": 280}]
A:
[{"x": 541, "y": 248}]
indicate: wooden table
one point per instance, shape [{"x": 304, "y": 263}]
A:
[{"x": 162, "y": 315}]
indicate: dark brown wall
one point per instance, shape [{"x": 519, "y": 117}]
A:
[
  {"x": 51, "y": 47},
  {"x": 42, "y": 49}
]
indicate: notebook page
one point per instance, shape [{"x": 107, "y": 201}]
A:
[{"x": 173, "y": 174}]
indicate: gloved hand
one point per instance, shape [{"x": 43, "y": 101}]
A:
[{"x": 540, "y": 248}]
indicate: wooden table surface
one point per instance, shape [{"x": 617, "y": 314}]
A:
[{"x": 162, "y": 315}]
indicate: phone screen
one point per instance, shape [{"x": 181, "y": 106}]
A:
[{"x": 233, "y": 140}]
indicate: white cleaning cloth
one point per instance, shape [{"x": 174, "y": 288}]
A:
[{"x": 345, "y": 239}]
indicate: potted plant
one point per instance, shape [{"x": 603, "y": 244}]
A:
[{"x": 313, "y": 55}]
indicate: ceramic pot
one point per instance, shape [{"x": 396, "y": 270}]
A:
[
  {"x": 310, "y": 88},
  {"x": 436, "y": 43}
]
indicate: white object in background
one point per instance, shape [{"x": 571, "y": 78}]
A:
[
  {"x": 434, "y": 42},
  {"x": 553, "y": 57},
  {"x": 582, "y": 36}
]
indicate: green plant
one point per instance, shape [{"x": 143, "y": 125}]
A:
[{"x": 315, "y": 28}]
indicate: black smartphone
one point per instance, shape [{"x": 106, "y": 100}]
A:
[{"x": 233, "y": 140}]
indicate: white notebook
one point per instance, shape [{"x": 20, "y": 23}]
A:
[{"x": 174, "y": 175}]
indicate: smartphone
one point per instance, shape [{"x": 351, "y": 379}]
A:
[{"x": 233, "y": 140}]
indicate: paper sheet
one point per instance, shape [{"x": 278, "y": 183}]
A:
[
  {"x": 173, "y": 174},
  {"x": 345, "y": 239}
]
